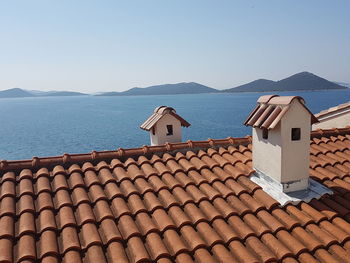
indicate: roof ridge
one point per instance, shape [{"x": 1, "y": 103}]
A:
[
  {"x": 333, "y": 109},
  {"x": 329, "y": 132},
  {"x": 65, "y": 159},
  {"x": 95, "y": 156}
]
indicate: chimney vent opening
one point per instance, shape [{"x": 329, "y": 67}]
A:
[
  {"x": 296, "y": 133},
  {"x": 169, "y": 129},
  {"x": 265, "y": 133}
]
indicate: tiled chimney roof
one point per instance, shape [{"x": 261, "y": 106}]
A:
[
  {"x": 183, "y": 202},
  {"x": 270, "y": 110},
  {"x": 158, "y": 113}
]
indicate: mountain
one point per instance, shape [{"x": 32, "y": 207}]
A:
[
  {"x": 165, "y": 89},
  {"x": 343, "y": 84},
  {"x": 306, "y": 80},
  {"x": 21, "y": 93},
  {"x": 299, "y": 81},
  {"x": 256, "y": 86},
  {"x": 15, "y": 93},
  {"x": 59, "y": 93}
]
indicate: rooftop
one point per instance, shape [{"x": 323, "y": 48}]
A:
[
  {"x": 183, "y": 202},
  {"x": 333, "y": 110}
]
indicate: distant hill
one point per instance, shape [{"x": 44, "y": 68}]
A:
[
  {"x": 256, "y": 86},
  {"x": 165, "y": 89},
  {"x": 15, "y": 93},
  {"x": 21, "y": 93},
  {"x": 299, "y": 81},
  {"x": 343, "y": 84},
  {"x": 59, "y": 93}
]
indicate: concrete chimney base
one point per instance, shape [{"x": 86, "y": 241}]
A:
[{"x": 275, "y": 189}]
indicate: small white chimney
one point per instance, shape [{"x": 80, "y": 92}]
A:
[
  {"x": 164, "y": 125},
  {"x": 281, "y": 141}
]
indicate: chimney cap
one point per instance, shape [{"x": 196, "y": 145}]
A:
[
  {"x": 271, "y": 109},
  {"x": 158, "y": 113},
  {"x": 164, "y": 109}
]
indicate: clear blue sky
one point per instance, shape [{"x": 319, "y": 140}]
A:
[{"x": 102, "y": 45}]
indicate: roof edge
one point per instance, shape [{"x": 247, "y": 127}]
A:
[
  {"x": 96, "y": 156},
  {"x": 332, "y": 110}
]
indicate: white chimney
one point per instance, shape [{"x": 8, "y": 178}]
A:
[
  {"x": 164, "y": 125},
  {"x": 281, "y": 141}
]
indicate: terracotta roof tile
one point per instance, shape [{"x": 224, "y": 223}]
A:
[
  {"x": 167, "y": 199},
  {"x": 226, "y": 232},
  {"x": 116, "y": 253},
  {"x": 263, "y": 252},
  {"x": 136, "y": 250},
  {"x": 192, "y": 238},
  {"x": 62, "y": 198},
  {"x": 242, "y": 229},
  {"x": 201, "y": 255},
  {"x": 25, "y": 225},
  {"x": 7, "y": 227},
  {"x": 209, "y": 234},
  {"x": 339, "y": 252},
  {"x": 155, "y": 246},
  {"x": 94, "y": 254},
  {"x": 65, "y": 217},
  {"x": 68, "y": 240},
  {"x": 7, "y": 206},
  {"x": 25, "y": 248},
  {"x": 271, "y": 222},
  {"x": 84, "y": 214},
  {"x": 255, "y": 224},
  {"x": 311, "y": 242},
  {"x": 307, "y": 257},
  {"x": 44, "y": 201},
  {"x": 145, "y": 224},
  {"x": 289, "y": 241},
  {"x": 162, "y": 220},
  {"x": 184, "y": 206},
  {"x": 223, "y": 254},
  {"x": 174, "y": 243},
  {"x": 127, "y": 227},
  {"x": 109, "y": 232},
  {"x": 6, "y": 250},
  {"x": 47, "y": 244},
  {"x": 25, "y": 204},
  {"x": 89, "y": 235},
  {"x": 241, "y": 252}
]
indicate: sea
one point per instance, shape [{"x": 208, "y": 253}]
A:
[{"x": 51, "y": 126}]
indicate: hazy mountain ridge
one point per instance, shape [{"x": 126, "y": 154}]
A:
[
  {"x": 60, "y": 93},
  {"x": 15, "y": 93},
  {"x": 299, "y": 81},
  {"x": 343, "y": 84},
  {"x": 165, "y": 89},
  {"x": 21, "y": 93}
]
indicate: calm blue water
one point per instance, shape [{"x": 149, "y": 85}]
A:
[{"x": 55, "y": 125}]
